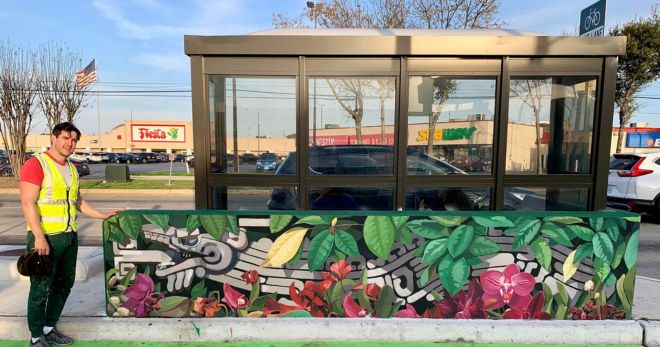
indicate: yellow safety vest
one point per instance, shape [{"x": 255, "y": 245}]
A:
[{"x": 57, "y": 202}]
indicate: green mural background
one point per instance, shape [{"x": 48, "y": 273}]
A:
[{"x": 485, "y": 265}]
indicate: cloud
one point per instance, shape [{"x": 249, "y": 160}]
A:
[
  {"x": 165, "y": 61},
  {"x": 134, "y": 30}
]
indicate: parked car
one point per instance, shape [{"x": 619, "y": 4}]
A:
[
  {"x": 634, "y": 182},
  {"x": 268, "y": 162},
  {"x": 6, "y": 170},
  {"x": 98, "y": 157},
  {"x": 248, "y": 158},
  {"x": 80, "y": 165},
  {"x": 360, "y": 160},
  {"x": 190, "y": 160},
  {"x": 146, "y": 157},
  {"x": 180, "y": 157},
  {"x": 127, "y": 158},
  {"x": 84, "y": 156},
  {"x": 469, "y": 163}
]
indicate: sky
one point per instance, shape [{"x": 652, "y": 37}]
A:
[{"x": 138, "y": 44}]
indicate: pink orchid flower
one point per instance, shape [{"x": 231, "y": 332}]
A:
[
  {"x": 233, "y": 298},
  {"x": 140, "y": 295},
  {"x": 509, "y": 287},
  {"x": 465, "y": 304},
  {"x": 534, "y": 310},
  {"x": 408, "y": 312}
]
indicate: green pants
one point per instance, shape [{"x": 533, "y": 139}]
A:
[{"x": 48, "y": 294}]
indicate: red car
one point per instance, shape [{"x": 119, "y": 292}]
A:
[{"x": 470, "y": 163}]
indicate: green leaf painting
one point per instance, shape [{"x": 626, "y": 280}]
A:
[
  {"x": 563, "y": 220},
  {"x": 311, "y": 220},
  {"x": 603, "y": 247},
  {"x": 630, "y": 257},
  {"x": 161, "y": 220},
  {"x": 453, "y": 274},
  {"x": 449, "y": 221},
  {"x": 460, "y": 239},
  {"x": 130, "y": 224},
  {"x": 379, "y": 235},
  {"x": 297, "y": 314},
  {"x": 319, "y": 249},
  {"x": 346, "y": 243},
  {"x": 555, "y": 233},
  {"x": 585, "y": 250},
  {"x": 581, "y": 232},
  {"x": 232, "y": 224},
  {"x": 526, "y": 234},
  {"x": 495, "y": 222},
  {"x": 278, "y": 222},
  {"x": 215, "y": 225},
  {"x": 399, "y": 221},
  {"x": 428, "y": 229},
  {"x": 542, "y": 252},
  {"x": 482, "y": 245},
  {"x": 434, "y": 250},
  {"x": 192, "y": 223}
]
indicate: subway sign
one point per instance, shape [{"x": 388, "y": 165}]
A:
[
  {"x": 158, "y": 133},
  {"x": 447, "y": 134}
]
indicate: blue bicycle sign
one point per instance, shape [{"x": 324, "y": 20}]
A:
[{"x": 592, "y": 20}]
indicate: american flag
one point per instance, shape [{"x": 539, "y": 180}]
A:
[{"x": 87, "y": 75}]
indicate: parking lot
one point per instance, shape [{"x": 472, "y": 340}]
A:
[{"x": 98, "y": 170}]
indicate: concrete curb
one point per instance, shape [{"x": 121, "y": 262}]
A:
[
  {"x": 88, "y": 264},
  {"x": 651, "y": 332},
  {"x": 320, "y": 329}
]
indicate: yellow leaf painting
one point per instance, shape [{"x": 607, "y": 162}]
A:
[
  {"x": 285, "y": 247},
  {"x": 569, "y": 268}
]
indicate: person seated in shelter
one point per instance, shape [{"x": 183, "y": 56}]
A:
[
  {"x": 446, "y": 200},
  {"x": 333, "y": 198}
]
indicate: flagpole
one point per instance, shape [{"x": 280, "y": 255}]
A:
[{"x": 98, "y": 103}]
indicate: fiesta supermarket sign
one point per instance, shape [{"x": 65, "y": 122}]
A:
[{"x": 158, "y": 133}]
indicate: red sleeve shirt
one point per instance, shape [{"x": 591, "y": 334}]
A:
[{"x": 32, "y": 172}]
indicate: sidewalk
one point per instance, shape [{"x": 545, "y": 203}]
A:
[{"x": 84, "y": 318}]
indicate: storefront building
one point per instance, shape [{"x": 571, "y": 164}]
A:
[{"x": 131, "y": 136}]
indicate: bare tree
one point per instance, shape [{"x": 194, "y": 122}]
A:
[
  {"x": 428, "y": 14},
  {"x": 18, "y": 84},
  {"x": 60, "y": 98},
  {"x": 384, "y": 89},
  {"x": 530, "y": 91},
  {"x": 348, "y": 91}
]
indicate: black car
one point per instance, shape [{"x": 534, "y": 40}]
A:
[
  {"x": 180, "y": 157},
  {"x": 248, "y": 158},
  {"x": 127, "y": 158},
  {"x": 146, "y": 157},
  {"x": 81, "y": 166},
  {"x": 361, "y": 160}
]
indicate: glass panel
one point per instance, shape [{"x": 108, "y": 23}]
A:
[
  {"x": 364, "y": 198},
  {"x": 448, "y": 199},
  {"x": 452, "y": 119},
  {"x": 252, "y": 119},
  {"x": 550, "y": 127},
  {"x": 351, "y": 125},
  {"x": 546, "y": 199},
  {"x": 254, "y": 198}
]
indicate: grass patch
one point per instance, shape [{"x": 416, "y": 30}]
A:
[
  {"x": 162, "y": 173},
  {"x": 136, "y": 184}
]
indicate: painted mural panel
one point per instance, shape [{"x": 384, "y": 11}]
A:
[{"x": 490, "y": 265}]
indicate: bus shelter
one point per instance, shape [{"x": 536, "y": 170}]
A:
[{"x": 389, "y": 173}]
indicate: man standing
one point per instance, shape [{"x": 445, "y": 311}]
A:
[{"x": 50, "y": 198}]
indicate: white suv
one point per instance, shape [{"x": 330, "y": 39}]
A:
[{"x": 634, "y": 180}]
